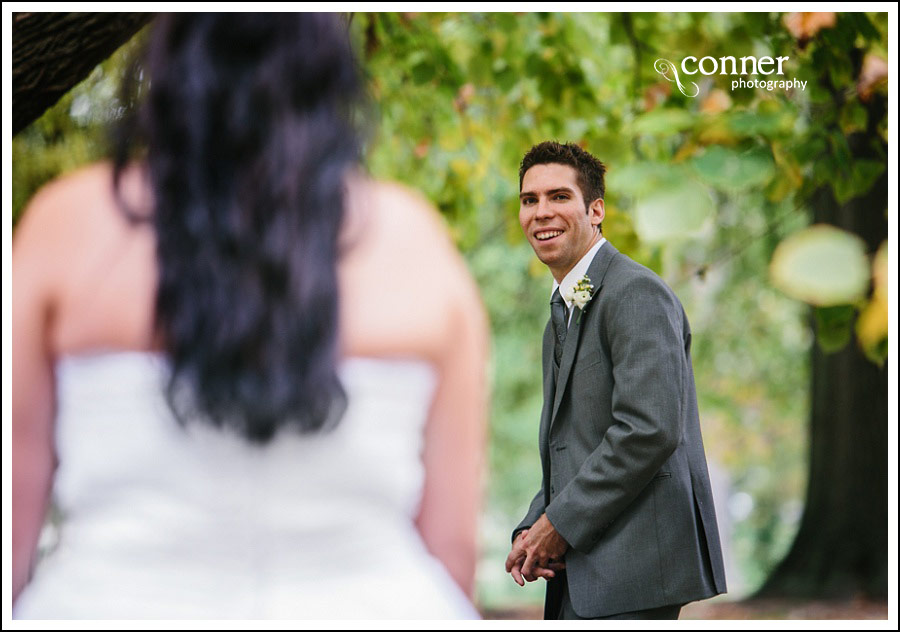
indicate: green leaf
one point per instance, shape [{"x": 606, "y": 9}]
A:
[
  {"x": 663, "y": 121},
  {"x": 536, "y": 67},
  {"x": 878, "y": 353},
  {"x": 728, "y": 168},
  {"x": 748, "y": 123},
  {"x": 863, "y": 175},
  {"x": 422, "y": 72},
  {"x": 644, "y": 178},
  {"x": 675, "y": 213},
  {"x": 808, "y": 150},
  {"x": 506, "y": 79},
  {"x": 834, "y": 327},
  {"x": 863, "y": 25},
  {"x": 841, "y": 71},
  {"x": 840, "y": 150},
  {"x": 853, "y": 118},
  {"x": 821, "y": 265}
]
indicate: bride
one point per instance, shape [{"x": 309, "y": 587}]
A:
[{"x": 250, "y": 378}]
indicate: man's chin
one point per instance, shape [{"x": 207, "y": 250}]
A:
[{"x": 549, "y": 259}]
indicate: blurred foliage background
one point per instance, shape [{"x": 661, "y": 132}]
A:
[{"x": 712, "y": 192}]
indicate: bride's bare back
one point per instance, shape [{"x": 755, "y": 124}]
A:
[{"x": 85, "y": 278}]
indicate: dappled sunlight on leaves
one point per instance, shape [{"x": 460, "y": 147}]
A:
[{"x": 822, "y": 265}]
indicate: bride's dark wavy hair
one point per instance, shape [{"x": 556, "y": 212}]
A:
[{"x": 248, "y": 131}]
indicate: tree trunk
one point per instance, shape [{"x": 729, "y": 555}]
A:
[
  {"x": 841, "y": 547},
  {"x": 52, "y": 52}
]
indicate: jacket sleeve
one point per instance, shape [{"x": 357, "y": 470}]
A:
[
  {"x": 535, "y": 510},
  {"x": 644, "y": 332},
  {"x": 537, "y": 507}
]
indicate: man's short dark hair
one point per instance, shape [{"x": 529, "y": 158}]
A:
[{"x": 589, "y": 171}]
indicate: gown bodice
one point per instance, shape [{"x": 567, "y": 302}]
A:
[{"x": 179, "y": 521}]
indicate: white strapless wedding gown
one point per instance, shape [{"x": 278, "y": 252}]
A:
[{"x": 171, "y": 522}]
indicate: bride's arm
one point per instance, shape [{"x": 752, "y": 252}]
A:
[
  {"x": 455, "y": 436},
  {"x": 33, "y": 458},
  {"x": 406, "y": 290}
]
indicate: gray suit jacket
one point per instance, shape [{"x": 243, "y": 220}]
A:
[{"x": 625, "y": 480}]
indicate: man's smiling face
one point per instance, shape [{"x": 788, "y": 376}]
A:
[{"x": 553, "y": 214}]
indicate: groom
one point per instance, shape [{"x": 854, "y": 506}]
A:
[{"x": 623, "y": 526}]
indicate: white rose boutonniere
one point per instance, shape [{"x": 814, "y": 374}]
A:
[{"x": 581, "y": 293}]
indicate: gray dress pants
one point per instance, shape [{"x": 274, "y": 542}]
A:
[{"x": 567, "y": 612}]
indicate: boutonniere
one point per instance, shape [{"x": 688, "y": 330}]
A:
[{"x": 581, "y": 294}]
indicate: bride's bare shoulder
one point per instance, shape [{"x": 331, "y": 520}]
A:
[
  {"x": 82, "y": 200},
  {"x": 403, "y": 230},
  {"x": 396, "y": 211},
  {"x": 76, "y": 251},
  {"x": 401, "y": 255},
  {"x": 74, "y": 217}
]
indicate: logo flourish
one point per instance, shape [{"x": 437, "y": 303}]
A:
[{"x": 665, "y": 67}]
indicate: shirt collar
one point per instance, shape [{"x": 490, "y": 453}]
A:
[{"x": 576, "y": 273}]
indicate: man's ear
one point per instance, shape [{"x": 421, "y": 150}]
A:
[{"x": 597, "y": 211}]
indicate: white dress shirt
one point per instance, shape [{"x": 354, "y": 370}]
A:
[{"x": 575, "y": 275}]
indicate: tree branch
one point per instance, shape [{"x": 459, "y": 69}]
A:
[{"x": 52, "y": 52}]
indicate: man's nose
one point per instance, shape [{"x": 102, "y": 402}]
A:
[{"x": 543, "y": 209}]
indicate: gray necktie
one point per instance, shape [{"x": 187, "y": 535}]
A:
[{"x": 559, "y": 319}]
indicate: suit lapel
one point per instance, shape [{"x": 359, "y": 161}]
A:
[{"x": 596, "y": 272}]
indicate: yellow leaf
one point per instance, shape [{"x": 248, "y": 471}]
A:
[
  {"x": 872, "y": 326},
  {"x": 684, "y": 152},
  {"x": 452, "y": 141},
  {"x": 619, "y": 229},
  {"x": 461, "y": 167},
  {"x": 717, "y": 132},
  {"x": 780, "y": 187}
]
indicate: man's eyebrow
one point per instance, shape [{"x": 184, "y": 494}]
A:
[{"x": 549, "y": 192}]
